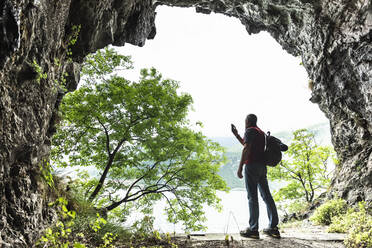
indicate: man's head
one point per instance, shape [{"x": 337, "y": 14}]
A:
[{"x": 251, "y": 120}]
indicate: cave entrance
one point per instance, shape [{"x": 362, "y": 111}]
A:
[{"x": 228, "y": 72}]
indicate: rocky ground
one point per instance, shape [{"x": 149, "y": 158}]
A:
[
  {"x": 294, "y": 237},
  {"x": 291, "y": 238},
  {"x": 283, "y": 243}
]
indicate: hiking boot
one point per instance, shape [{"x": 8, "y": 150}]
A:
[
  {"x": 248, "y": 233},
  {"x": 272, "y": 232}
]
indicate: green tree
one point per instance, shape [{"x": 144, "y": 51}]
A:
[
  {"x": 136, "y": 135},
  {"x": 305, "y": 168}
]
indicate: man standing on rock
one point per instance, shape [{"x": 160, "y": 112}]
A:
[{"x": 255, "y": 175}]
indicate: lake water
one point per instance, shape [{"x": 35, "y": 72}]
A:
[{"x": 233, "y": 218}]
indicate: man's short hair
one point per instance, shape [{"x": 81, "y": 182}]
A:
[{"x": 252, "y": 119}]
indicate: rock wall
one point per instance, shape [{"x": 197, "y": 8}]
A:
[{"x": 39, "y": 60}]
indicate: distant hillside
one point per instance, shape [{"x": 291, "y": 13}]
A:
[
  {"x": 234, "y": 148},
  {"x": 322, "y": 134}
]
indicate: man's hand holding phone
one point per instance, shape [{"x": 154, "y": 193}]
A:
[{"x": 234, "y": 130}]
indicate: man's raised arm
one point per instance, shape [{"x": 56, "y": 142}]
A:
[{"x": 235, "y": 132}]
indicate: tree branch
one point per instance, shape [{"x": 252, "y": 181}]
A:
[
  {"x": 105, "y": 172},
  {"x": 142, "y": 192},
  {"x": 107, "y": 137},
  {"x": 296, "y": 176},
  {"x": 116, "y": 204},
  {"x": 139, "y": 179},
  {"x": 169, "y": 203},
  {"x": 312, "y": 193},
  {"x": 110, "y": 161},
  {"x": 304, "y": 186}
]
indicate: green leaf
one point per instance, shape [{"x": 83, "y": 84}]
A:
[{"x": 79, "y": 245}]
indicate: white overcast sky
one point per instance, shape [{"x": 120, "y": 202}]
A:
[{"x": 228, "y": 72}]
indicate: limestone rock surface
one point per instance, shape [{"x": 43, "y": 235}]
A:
[
  {"x": 37, "y": 62},
  {"x": 39, "y": 59}
]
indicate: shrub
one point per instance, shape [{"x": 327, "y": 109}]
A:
[
  {"x": 360, "y": 235},
  {"x": 342, "y": 223},
  {"x": 59, "y": 236},
  {"x": 357, "y": 223},
  {"x": 323, "y": 215},
  {"x": 98, "y": 230},
  {"x": 69, "y": 228},
  {"x": 298, "y": 207}
]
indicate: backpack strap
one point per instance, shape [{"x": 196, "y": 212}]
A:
[{"x": 259, "y": 130}]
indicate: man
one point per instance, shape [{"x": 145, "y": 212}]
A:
[{"x": 255, "y": 176}]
